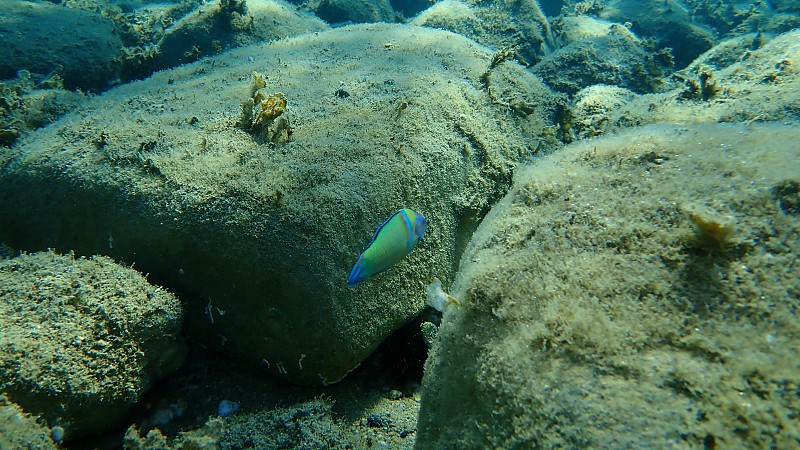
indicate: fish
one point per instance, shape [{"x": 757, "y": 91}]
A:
[{"x": 392, "y": 241}]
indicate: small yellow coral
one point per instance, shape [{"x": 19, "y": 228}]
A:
[
  {"x": 262, "y": 114},
  {"x": 710, "y": 225},
  {"x": 712, "y": 228},
  {"x": 270, "y": 108}
]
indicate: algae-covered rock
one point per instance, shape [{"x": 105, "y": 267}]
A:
[
  {"x": 80, "y": 46},
  {"x": 569, "y": 29},
  {"x": 742, "y": 79},
  {"x": 632, "y": 291},
  {"x": 21, "y": 430},
  {"x": 308, "y": 424},
  {"x": 81, "y": 340},
  {"x": 668, "y": 22},
  {"x": 593, "y": 105},
  {"x": 260, "y": 236},
  {"x": 358, "y": 11},
  {"x": 729, "y": 52},
  {"x": 615, "y": 57},
  {"x": 203, "y": 438},
  {"x": 28, "y": 102},
  {"x": 210, "y": 29},
  {"x": 519, "y": 26},
  {"x": 732, "y": 18}
]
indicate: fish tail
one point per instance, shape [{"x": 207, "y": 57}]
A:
[{"x": 357, "y": 274}]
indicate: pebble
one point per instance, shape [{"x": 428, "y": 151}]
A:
[
  {"x": 57, "y": 434},
  {"x": 227, "y": 407},
  {"x": 394, "y": 394}
]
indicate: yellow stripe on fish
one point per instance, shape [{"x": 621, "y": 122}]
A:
[{"x": 392, "y": 241}]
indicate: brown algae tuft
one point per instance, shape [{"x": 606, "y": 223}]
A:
[{"x": 262, "y": 114}]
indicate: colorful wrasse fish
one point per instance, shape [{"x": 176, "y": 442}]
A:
[{"x": 392, "y": 241}]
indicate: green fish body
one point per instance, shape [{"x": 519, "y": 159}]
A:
[{"x": 392, "y": 241}]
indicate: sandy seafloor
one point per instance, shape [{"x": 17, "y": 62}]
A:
[{"x": 611, "y": 67}]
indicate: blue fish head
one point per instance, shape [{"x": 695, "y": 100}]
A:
[{"x": 420, "y": 226}]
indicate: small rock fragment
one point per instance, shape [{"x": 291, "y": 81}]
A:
[{"x": 227, "y": 407}]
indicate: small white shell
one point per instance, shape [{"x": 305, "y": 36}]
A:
[{"x": 439, "y": 299}]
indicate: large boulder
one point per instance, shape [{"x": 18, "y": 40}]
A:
[
  {"x": 80, "y": 46},
  {"x": 519, "y": 26},
  {"x": 631, "y": 291},
  {"x": 211, "y": 29},
  {"x": 745, "y": 78},
  {"x": 667, "y": 22},
  {"x": 258, "y": 217},
  {"x": 81, "y": 340},
  {"x": 611, "y": 55},
  {"x": 358, "y": 11}
]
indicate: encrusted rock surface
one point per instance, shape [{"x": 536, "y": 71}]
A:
[
  {"x": 82, "y": 339},
  {"x": 258, "y": 237},
  {"x": 633, "y": 290}
]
